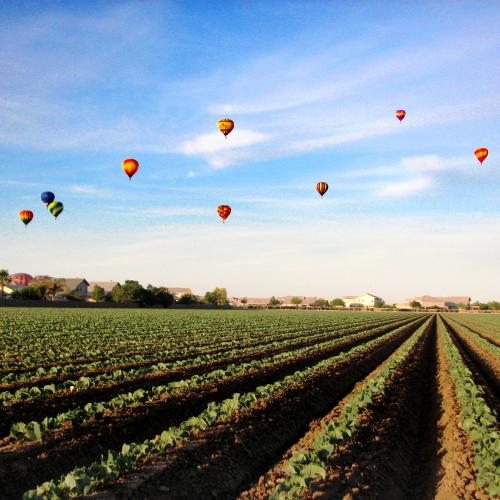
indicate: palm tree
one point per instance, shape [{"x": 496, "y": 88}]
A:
[
  {"x": 52, "y": 287},
  {"x": 5, "y": 279}
]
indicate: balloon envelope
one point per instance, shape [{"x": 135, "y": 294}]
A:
[
  {"x": 481, "y": 154},
  {"x": 322, "y": 188},
  {"x": 400, "y": 114},
  {"x": 225, "y": 125},
  {"x": 55, "y": 208},
  {"x": 47, "y": 197},
  {"x": 26, "y": 216},
  {"x": 130, "y": 167},
  {"x": 223, "y": 211}
]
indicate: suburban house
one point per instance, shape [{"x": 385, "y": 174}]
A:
[
  {"x": 107, "y": 286},
  {"x": 77, "y": 285},
  {"x": 286, "y": 301},
  {"x": 178, "y": 292},
  {"x": 365, "y": 300},
  {"x": 10, "y": 288},
  {"x": 445, "y": 303}
]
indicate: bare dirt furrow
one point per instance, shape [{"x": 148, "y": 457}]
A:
[
  {"x": 39, "y": 463},
  {"x": 39, "y": 408},
  {"x": 226, "y": 459}
]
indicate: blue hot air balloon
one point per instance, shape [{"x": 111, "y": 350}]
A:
[{"x": 48, "y": 197}]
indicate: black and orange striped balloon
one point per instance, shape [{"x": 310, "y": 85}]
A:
[
  {"x": 322, "y": 188},
  {"x": 26, "y": 216},
  {"x": 224, "y": 212},
  {"x": 481, "y": 154},
  {"x": 400, "y": 114},
  {"x": 130, "y": 167},
  {"x": 225, "y": 125}
]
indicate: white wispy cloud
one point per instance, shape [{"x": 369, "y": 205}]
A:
[{"x": 403, "y": 189}]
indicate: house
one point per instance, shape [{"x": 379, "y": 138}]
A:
[
  {"x": 178, "y": 292},
  {"x": 79, "y": 286},
  {"x": 251, "y": 302},
  {"x": 286, "y": 301},
  {"x": 10, "y": 288},
  {"x": 365, "y": 300},
  {"x": 107, "y": 286},
  {"x": 444, "y": 303}
]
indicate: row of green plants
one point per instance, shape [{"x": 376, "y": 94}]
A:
[
  {"x": 489, "y": 326},
  {"x": 39, "y": 338},
  {"x": 479, "y": 420},
  {"x": 306, "y": 465},
  {"x": 476, "y": 339},
  {"x": 115, "y": 464},
  {"x": 194, "y": 350},
  {"x": 78, "y": 416}
]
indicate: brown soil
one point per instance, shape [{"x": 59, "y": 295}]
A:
[
  {"x": 484, "y": 366},
  {"x": 225, "y": 459},
  {"x": 36, "y": 463},
  {"x": 487, "y": 336},
  {"x": 411, "y": 446},
  {"x": 39, "y": 408}
]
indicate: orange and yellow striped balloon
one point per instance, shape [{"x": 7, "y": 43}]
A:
[
  {"x": 322, "y": 188},
  {"x": 223, "y": 211},
  {"x": 225, "y": 125},
  {"x": 481, "y": 154},
  {"x": 130, "y": 167},
  {"x": 26, "y": 216},
  {"x": 400, "y": 114}
]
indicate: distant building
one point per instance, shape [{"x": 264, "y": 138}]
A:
[
  {"x": 79, "y": 286},
  {"x": 286, "y": 301},
  {"x": 23, "y": 279},
  {"x": 11, "y": 288},
  {"x": 365, "y": 300},
  {"x": 444, "y": 303}
]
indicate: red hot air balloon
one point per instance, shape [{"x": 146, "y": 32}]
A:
[
  {"x": 322, "y": 188},
  {"x": 130, "y": 167},
  {"x": 481, "y": 154},
  {"x": 224, "y": 211},
  {"x": 26, "y": 216},
  {"x": 23, "y": 279},
  {"x": 400, "y": 114}
]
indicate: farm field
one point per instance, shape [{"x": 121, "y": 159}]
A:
[{"x": 248, "y": 404}]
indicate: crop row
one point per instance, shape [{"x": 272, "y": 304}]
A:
[
  {"x": 157, "y": 360},
  {"x": 308, "y": 464},
  {"x": 114, "y": 464},
  {"x": 479, "y": 420},
  {"x": 78, "y": 416}
]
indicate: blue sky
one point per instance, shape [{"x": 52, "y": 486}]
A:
[{"x": 312, "y": 88}]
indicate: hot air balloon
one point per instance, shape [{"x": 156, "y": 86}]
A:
[
  {"x": 26, "y": 216},
  {"x": 224, "y": 211},
  {"x": 225, "y": 126},
  {"x": 322, "y": 188},
  {"x": 130, "y": 167},
  {"x": 47, "y": 197},
  {"x": 481, "y": 154},
  {"x": 400, "y": 114},
  {"x": 55, "y": 208}
]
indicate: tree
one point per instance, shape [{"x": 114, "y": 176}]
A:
[
  {"x": 483, "y": 307},
  {"x": 415, "y": 304},
  {"x": 132, "y": 291},
  {"x": 296, "y": 301},
  {"x": 378, "y": 302},
  {"x": 321, "y": 303},
  {"x": 52, "y": 287},
  {"x": 337, "y": 303},
  {"x": 117, "y": 294},
  {"x": 273, "y": 301},
  {"x": 27, "y": 293},
  {"x": 218, "y": 297},
  {"x": 161, "y": 296},
  {"x": 187, "y": 299},
  {"x": 5, "y": 279},
  {"x": 494, "y": 305},
  {"x": 244, "y": 301},
  {"x": 98, "y": 294}
]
